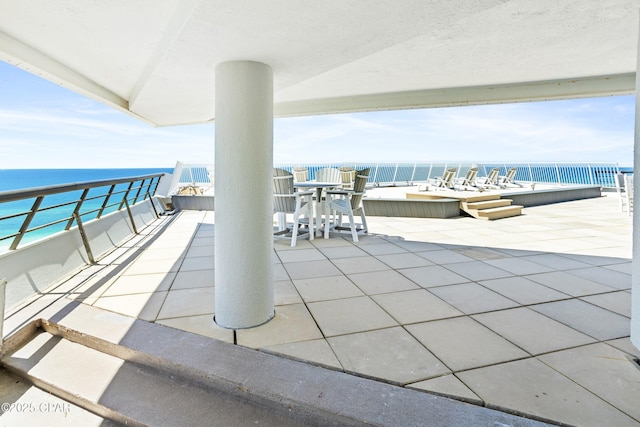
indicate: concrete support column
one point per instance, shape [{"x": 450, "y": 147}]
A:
[
  {"x": 635, "y": 265},
  {"x": 244, "y": 295}
]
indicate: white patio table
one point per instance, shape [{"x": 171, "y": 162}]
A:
[{"x": 318, "y": 185}]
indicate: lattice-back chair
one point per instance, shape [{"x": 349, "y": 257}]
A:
[
  {"x": 300, "y": 174},
  {"x": 288, "y": 201},
  {"x": 348, "y": 202}
]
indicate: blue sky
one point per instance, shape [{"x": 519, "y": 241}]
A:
[{"x": 43, "y": 125}]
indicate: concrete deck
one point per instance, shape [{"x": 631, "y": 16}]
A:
[{"x": 528, "y": 315}]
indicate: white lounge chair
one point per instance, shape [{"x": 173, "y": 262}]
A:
[
  {"x": 509, "y": 178},
  {"x": 491, "y": 180},
  {"x": 469, "y": 180},
  {"x": 446, "y": 182}
]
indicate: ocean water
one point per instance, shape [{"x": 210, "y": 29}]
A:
[{"x": 16, "y": 179}]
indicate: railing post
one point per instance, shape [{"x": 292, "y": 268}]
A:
[
  {"x": 155, "y": 211},
  {"x": 133, "y": 223},
  {"x": 125, "y": 200},
  {"x": 135, "y": 199},
  {"x": 558, "y": 174},
  {"x": 3, "y": 299},
  {"x": 395, "y": 174},
  {"x": 106, "y": 201},
  {"x": 26, "y": 223},
  {"x": 413, "y": 174},
  {"x": 76, "y": 211},
  {"x": 83, "y": 236}
]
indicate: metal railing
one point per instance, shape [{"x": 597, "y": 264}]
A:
[
  {"x": 387, "y": 174},
  {"x": 45, "y": 210}
]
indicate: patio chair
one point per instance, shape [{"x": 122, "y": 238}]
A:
[
  {"x": 620, "y": 189},
  {"x": 328, "y": 175},
  {"x": 348, "y": 202},
  {"x": 288, "y": 201},
  {"x": 469, "y": 180},
  {"x": 491, "y": 180},
  {"x": 508, "y": 179},
  {"x": 300, "y": 174},
  {"x": 628, "y": 191},
  {"x": 446, "y": 181},
  {"x": 348, "y": 175}
]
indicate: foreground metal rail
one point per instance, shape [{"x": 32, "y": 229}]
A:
[{"x": 97, "y": 198}]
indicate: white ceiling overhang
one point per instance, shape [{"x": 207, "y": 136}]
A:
[{"x": 156, "y": 59}]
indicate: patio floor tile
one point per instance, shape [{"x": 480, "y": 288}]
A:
[
  {"x": 316, "y": 351},
  {"x": 292, "y": 323},
  {"x": 586, "y": 318},
  {"x": 383, "y": 249},
  {"x": 618, "y": 302},
  {"x": 194, "y": 279},
  {"x": 326, "y": 288},
  {"x": 335, "y": 252},
  {"x": 310, "y": 254},
  {"x": 444, "y": 256},
  {"x": 450, "y": 386},
  {"x": 462, "y": 343},
  {"x": 379, "y": 282},
  {"x": 415, "y": 306},
  {"x": 285, "y": 293},
  {"x": 604, "y": 371},
  {"x": 523, "y": 290},
  {"x": 308, "y": 269},
  {"x": 569, "y": 284},
  {"x": 349, "y": 315},
  {"x": 471, "y": 298},
  {"x": 433, "y": 275},
  {"x": 202, "y": 325},
  {"x": 359, "y": 264},
  {"x": 478, "y": 270},
  {"x": 532, "y": 331},
  {"x": 519, "y": 266},
  {"x": 556, "y": 261},
  {"x": 547, "y": 394},
  {"x": 188, "y": 302},
  {"x": 391, "y": 353},
  {"x": 404, "y": 260},
  {"x": 143, "y": 306},
  {"x": 605, "y": 276},
  {"x": 125, "y": 285},
  {"x": 197, "y": 263}
]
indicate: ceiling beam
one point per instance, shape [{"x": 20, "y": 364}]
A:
[{"x": 584, "y": 87}]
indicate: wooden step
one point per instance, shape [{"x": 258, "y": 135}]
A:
[
  {"x": 480, "y": 197},
  {"x": 488, "y": 204},
  {"x": 501, "y": 212}
]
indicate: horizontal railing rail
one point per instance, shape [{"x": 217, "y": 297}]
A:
[
  {"x": 55, "y": 208},
  {"x": 390, "y": 174}
]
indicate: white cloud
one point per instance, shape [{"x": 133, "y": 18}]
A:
[{"x": 51, "y": 127}]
